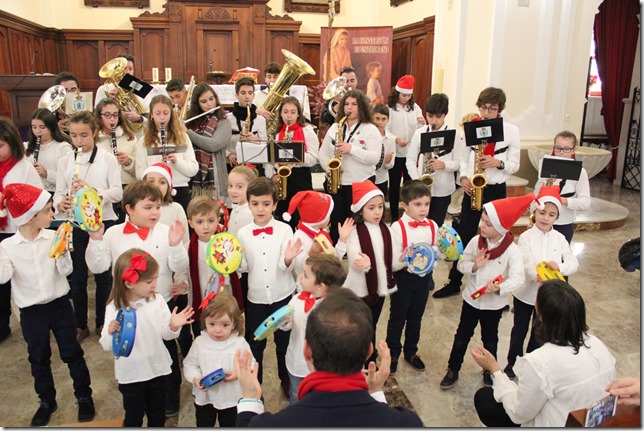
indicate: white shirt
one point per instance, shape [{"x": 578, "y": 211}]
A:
[
  {"x": 173, "y": 212},
  {"x": 360, "y": 163},
  {"x": 48, "y": 156},
  {"x": 444, "y": 184},
  {"x": 123, "y": 145},
  {"x": 22, "y": 172},
  {"x": 100, "y": 254},
  {"x": 414, "y": 236},
  {"x": 509, "y": 264},
  {"x": 185, "y": 167},
  {"x": 389, "y": 145},
  {"x": 580, "y": 201},
  {"x": 536, "y": 247},
  {"x": 403, "y": 124},
  {"x": 149, "y": 358},
  {"x": 307, "y": 243},
  {"x": 240, "y": 216},
  {"x": 207, "y": 355},
  {"x": 104, "y": 175},
  {"x": 554, "y": 381},
  {"x": 35, "y": 277},
  {"x": 311, "y": 156},
  {"x": 269, "y": 280},
  {"x": 258, "y": 128},
  {"x": 295, "y": 362}
]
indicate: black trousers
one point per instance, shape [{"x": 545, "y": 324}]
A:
[
  {"x": 470, "y": 317},
  {"x": 144, "y": 398},
  {"x": 376, "y": 310},
  {"x": 397, "y": 170},
  {"x": 183, "y": 196},
  {"x": 438, "y": 209},
  {"x": 255, "y": 315},
  {"x": 37, "y": 321},
  {"x": 173, "y": 380},
  {"x": 299, "y": 180},
  {"x": 469, "y": 222},
  {"x": 5, "y": 299},
  {"x": 207, "y": 416},
  {"x": 384, "y": 187},
  {"x": 79, "y": 276},
  {"x": 567, "y": 230},
  {"x": 490, "y": 412},
  {"x": 522, "y": 314},
  {"x": 407, "y": 306},
  {"x": 341, "y": 207}
]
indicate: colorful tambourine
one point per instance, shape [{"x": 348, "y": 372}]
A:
[
  {"x": 123, "y": 339},
  {"x": 545, "y": 273},
  {"x": 224, "y": 253},
  {"x": 423, "y": 260},
  {"x": 88, "y": 209},
  {"x": 213, "y": 378},
  {"x": 58, "y": 246},
  {"x": 449, "y": 243},
  {"x": 272, "y": 322}
]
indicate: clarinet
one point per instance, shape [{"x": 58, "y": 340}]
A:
[
  {"x": 164, "y": 144},
  {"x": 37, "y": 150},
  {"x": 113, "y": 139},
  {"x": 382, "y": 156}
]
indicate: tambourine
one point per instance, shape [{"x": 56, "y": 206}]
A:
[
  {"x": 88, "y": 209},
  {"x": 272, "y": 322},
  {"x": 545, "y": 273},
  {"x": 423, "y": 259},
  {"x": 449, "y": 243},
  {"x": 224, "y": 253},
  {"x": 325, "y": 244},
  {"x": 213, "y": 378},
  {"x": 223, "y": 227},
  {"x": 58, "y": 246},
  {"x": 123, "y": 339}
]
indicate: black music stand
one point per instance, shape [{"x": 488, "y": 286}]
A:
[
  {"x": 286, "y": 152},
  {"x": 437, "y": 140},
  {"x": 168, "y": 149},
  {"x": 558, "y": 168},
  {"x": 135, "y": 85},
  {"x": 483, "y": 132}
]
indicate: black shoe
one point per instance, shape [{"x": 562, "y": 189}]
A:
[
  {"x": 450, "y": 378},
  {"x": 506, "y": 308},
  {"x": 6, "y": 334},
  {"x": 99, "y": 329},
  {"x": 447, "y": 291},
  {"x": 415, "y": 362},
  {"x": 394, "y": 366},
  {"x": 81, "y": 334},
  {"x": 43, "y": 414},
  {"x": 285, "y": 385},
  {"x": 86, "y": 411},
  {"x": 509, "y": 372},
  {"x": 172, "y": 404},
  {"x": 487, "y": 378}
]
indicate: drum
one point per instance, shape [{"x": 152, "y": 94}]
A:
[
  {"x": 224, "y": 253},
  {"x": 272, "y": 322},
  {"x": 423, "y": 259},
  {"x": 58, "y": 246},
  {"x": 449, "y": 243},
  {"x": 545, "y": 273},
  {"x": 213, "y": 378},
  {"x": 88, "y": 209},
  {"x": 123, "y": 339}
]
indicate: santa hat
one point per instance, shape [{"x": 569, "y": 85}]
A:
[
  {"x": 362, "y": 193},
  {"x": 162, "y": 169},
  {"x": 314, "y": 207},
  {"x": 23, "y": 201},
  {"x": 503, "y": 213},
  {"x": 405, "y": 84},
  {"x": 547, "y": 194}
]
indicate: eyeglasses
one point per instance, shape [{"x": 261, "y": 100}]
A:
[
  {"x": 110, "y": 114},
  {"x": 488, "y": 108},
  {"x": 564, "y": 149}
]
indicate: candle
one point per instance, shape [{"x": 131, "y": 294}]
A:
[
  {"x": 155, "y": 74},
  {"x": 438, "y": 80},
  {"x": 168, "y": 74}
]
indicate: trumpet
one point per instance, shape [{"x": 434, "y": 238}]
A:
[
  {"x": 334, "y": 92},
  {"x": 334, "y": 166},
  {"x": 113, "y": 139},
  {"x": 428, "y": 174},
  {"x": 36, "y": 150},
  {"x": 164, "y": 144},
  {"x": 478, "y": 180},
  {"x": 283, "y": 172}
]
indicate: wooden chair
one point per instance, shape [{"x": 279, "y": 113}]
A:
[{"x": 625, "y": 417}]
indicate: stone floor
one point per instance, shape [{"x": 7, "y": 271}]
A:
[{"x": 613, "y": 306}]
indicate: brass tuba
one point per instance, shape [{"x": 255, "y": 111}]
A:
[
  {"x": 428, "y": 174},
  {"x": 478, "y": 180},
  {"x": 334, "y": 92},
  {"x": 334, "y": 166},
  {"x": 184, "y": 108},
  {"x": 114, "y": 71},
  {"x": 283, "y": 172}
]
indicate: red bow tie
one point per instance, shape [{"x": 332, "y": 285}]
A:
[
  {"x": 309, "y": 300},
  {"x": 266, "y": 230},
  {"x": 141, "y": 232},
  {"x": 419, "y": 223}
]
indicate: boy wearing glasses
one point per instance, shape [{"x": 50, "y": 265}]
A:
[
  {"x": 500, "y": 160},
  {"x": 575, "y": 195}
]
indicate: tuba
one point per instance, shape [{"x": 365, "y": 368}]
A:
[
  {"x": 114, "y": 71},
  {"x": 184, "y": 108},
  {"x": 428, "y": 174},
  {"x": 334, "y": 166},
  {"x": 334, "y": 92},
  {"x": 53, "y": 99},
  {"x": 478, "y": 180},
  {"x": 283, "y": 172}
]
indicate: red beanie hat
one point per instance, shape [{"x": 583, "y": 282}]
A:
[
  {"x": 314, "y": 207},
  {"x": 362, "y": 193},
  {"x": 24, "y": 201},
  {"x": 503, "y": 213},
  {"x": 161, "y": 169},
  {"x": 405, "y": 84}
]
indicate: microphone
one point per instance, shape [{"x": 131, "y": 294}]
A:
[
  {"x": 211, "y": 55},
  {"x": 33, "y": 60}
]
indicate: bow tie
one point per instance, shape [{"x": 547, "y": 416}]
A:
[
  {"x": 266, "y": 230},
  {"x": 141, "y": 232},
  {"x": 309, "y": 300},
  {"x": 419, "y": 223}
]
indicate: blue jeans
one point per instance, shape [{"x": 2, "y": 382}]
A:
[{"x": 295, "y": 385}]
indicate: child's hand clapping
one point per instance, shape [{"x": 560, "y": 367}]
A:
[
  {"x": 363, "y": 262},
  {"x": 181, "y": 318},
  {"x": 113, "y": 327},
  {"x": 344, "y": 229}
]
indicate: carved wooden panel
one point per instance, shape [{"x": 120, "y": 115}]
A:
[
  {"x": 321, "y": 6},
  {"x": 118, "y": 3},
  {"x": 220, "y": 47},
  {"x": 153, "y": 53},
  {"x": 83, "y": 61},
  {"x": 421, "y": 67}
]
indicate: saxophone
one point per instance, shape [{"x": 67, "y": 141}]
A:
[
  {"x": 245, "y": 131},
  {"x": 428, "y": 174},
  {"x": 478, "y": 180},
  {"x": 283, "y": 172},
  {"x": 113, "y": 140},
  {"x": 36, "y": 149},
  {"x": 164, "y": 144},
  {"x": 334, "y": 166}
]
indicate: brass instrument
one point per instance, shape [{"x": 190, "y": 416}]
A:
[
  {"x": 164, "y": 144},
  {"x": 245, "y": 131},
  {"x": 478, "y": 180},
  {"x": 428, "y": 174},
  {"x": 113, "y": 140},
  {"x": 293, "y": 69},
  {"x": 36, "y": 149},
  {"x": 334, "y": 166},
  {"x": 334, "y": 92},
  {"x": 184, "y": 108},
  {"x": 53, "y": 99},
  {"x": 550, "y": 181},
  {"x": 114, "y": 71},
  {"x": 283, "y": 172}
]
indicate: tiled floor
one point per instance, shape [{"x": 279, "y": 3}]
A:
[{"x": 613, "y": 306}]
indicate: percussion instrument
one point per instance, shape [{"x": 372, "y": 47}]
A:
[
  {"x": 423, "y": 259},
  {"x": 224, "y": 253},
  {"x": 213, "y": 378},
  {"x": 123, "y": 339},
  {"x": 545, "y": 273},
  {"x": 449, "y": 243},
  {"x": 88, "y": 209},
  {"x": 58, "y": 246},
  {"x": 481, "y": 291},
  {"x": 272, "y": 322},
  {"x": 325, "y": 244}
]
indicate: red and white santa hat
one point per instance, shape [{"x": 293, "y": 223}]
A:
[
  {"x": 314, "y": 207},
  {"x": 547, "y": 194},
  {"x": 162, "y": 169},
  {"x": 405, "y": 84},
  {"x": 23, "y": 201},
  {"x": 362, "y": 193},
  {"x": 504, "y": 213}
]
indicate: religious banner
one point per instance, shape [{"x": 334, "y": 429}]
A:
[{"x": 367, "y": 49}]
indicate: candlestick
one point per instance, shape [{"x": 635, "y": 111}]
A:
[
  {"x": 168, "y": 74},
  {"x": 155, "y": 75}
]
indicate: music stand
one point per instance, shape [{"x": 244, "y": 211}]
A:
[
  {"x": 135, "y": 85},
  {"x": 252, "y": 152},
  {"x": 286, "y": 152},
  {"x": 437, "y": 140},
  {"x": 560, "y": 169},
  {"x": 483, "y": 132},
  {"x": 168, "y": 149}
]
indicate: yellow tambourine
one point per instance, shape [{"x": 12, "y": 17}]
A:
[
  {"x": 224, "y": 253},
  {"x": 545, "y": 273},
  {"x": 88, "y": 209},
  {"x": 58, "y": 246}
]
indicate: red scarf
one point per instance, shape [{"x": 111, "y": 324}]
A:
[
  {"x": 311, "y": 233},
  {"x": 497, "y": 251},
  {"x": 367, "y": 248},
  {"x": 324, "y": 381},
  {"x": 5, "y": 167},
  {"x": 298, "y": 133}
]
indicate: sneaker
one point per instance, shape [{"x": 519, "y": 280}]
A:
[
  {"x": 509, "y": 372},
  {"x": 43, "y": 414},
  {"x": 99, "y": 329},
  {"x": 172, "y": 404},
  {"x": 487, "y": 378},
  {"x": 285, "y": 385},
  {"x": 86, "y": 411},
  {"x": 81, "y": 334},
  {"x": 415, "y": 362},
  {"x": 394, "y": 366},
  {"x": 450, "y": 378},
  {"x": 447, "y": 291}
]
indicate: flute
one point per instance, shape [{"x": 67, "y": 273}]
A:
[
  {"x": 37, "y": 149},
  {"x": 164, "y": 144},
  {"x": 113, "y": 139}
]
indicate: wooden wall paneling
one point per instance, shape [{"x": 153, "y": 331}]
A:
[
  {"x": 309, "y": 51},
  {"x": 83, "y": 61},
  {"x": 5, "y": 69},
  {"x": 51, "y": 56},
  {"x": 151, "y": 34},
  {"x": 219, "y": 42},
  {"x": 422, "y": 51}
]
